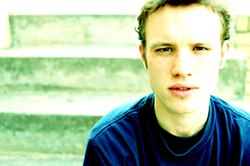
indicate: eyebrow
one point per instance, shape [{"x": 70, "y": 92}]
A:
[{"x": 160, "y": 44}]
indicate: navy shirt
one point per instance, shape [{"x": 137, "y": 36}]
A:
[{"x": 130, "y": 135}]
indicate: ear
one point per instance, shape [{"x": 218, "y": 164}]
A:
[
  {"x": 143, "y": 56},
  {"x": 224, "y": 53}
]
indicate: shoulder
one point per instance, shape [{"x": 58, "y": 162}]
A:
[
  {"x": 224, "y": 107},
  {"x": 236, "y": 123},
  {"x": 120, "y": 118},
  {"x": 235, "y": 118}
]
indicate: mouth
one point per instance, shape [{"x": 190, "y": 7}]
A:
[{"x": 183, "y": 90}]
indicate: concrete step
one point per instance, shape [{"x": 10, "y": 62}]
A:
[
  {"x": 39, "y": 159},
  {"x": 52, "y": 134},
  {"x": 52, "y": 125},
  {"x": 83, "y": 69},
  {"x": 55, "y": 125},
  {"x": 89, "y": 103},
  {"x": 75, "y": 74},
  {"x": 72, "y": 30},
  {"x": 71, "y": 52}
]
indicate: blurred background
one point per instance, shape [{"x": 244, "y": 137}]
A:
[{"x": 64, "y": 64}]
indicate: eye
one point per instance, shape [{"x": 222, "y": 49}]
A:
[
  {"x": 200, "y": 49},
  {"x": 165, "y": 49}
]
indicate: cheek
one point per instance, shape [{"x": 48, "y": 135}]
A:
[
  {"x": 207, "y": 68},
  {"x": 158, "y": 71},
  {"x": 158, "y": 67},
  {"x": 208, "y": 73},
  {"x": 210, "y": 64}
]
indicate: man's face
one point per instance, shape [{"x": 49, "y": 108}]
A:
[{"x": 183, "y": 54}]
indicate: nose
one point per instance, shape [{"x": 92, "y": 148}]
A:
[{"x": 182, "y": 65}]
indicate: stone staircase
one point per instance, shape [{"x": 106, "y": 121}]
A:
[
  {"x": 59, "y": 74},
  {"x": 61, "y": 71}
]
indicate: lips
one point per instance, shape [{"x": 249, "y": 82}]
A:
[{"x": 183, "y": 90}]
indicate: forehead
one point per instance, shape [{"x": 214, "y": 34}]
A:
[{"x": 198, "y": 22}]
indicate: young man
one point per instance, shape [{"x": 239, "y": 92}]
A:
[{"x": 183, "y": 46}]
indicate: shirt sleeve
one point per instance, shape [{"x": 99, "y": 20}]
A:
[{"x": 91, "y": 157}]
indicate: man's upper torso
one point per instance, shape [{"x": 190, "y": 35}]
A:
[{"x": 130, "y": 135}]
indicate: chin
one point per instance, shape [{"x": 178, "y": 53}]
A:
[{"x": 190, "y": 103}]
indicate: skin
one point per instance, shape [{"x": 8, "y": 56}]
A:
[{"x": 183, "y": 55}]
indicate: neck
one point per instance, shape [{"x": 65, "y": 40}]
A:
[{"x": 181, "y": 123}]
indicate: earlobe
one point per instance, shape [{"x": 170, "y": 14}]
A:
[
  {"x": 143, "y": 56},
  {"x": 224, "y": 54},
  {"x": 222, "y": 63}
]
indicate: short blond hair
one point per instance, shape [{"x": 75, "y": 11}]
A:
[{"x": 220, "y": 7}]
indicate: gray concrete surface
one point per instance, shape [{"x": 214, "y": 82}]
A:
[
  {"x": 73, "y": 30},
  {"x": 90, "y": 103},
  {"x": 33, "y": 83},
  {"x": 51, "y": 129},
  {"x": 39, "y": 159}
]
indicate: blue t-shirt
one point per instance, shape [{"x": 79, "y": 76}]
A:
[{"x": 130, "y": 135}]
